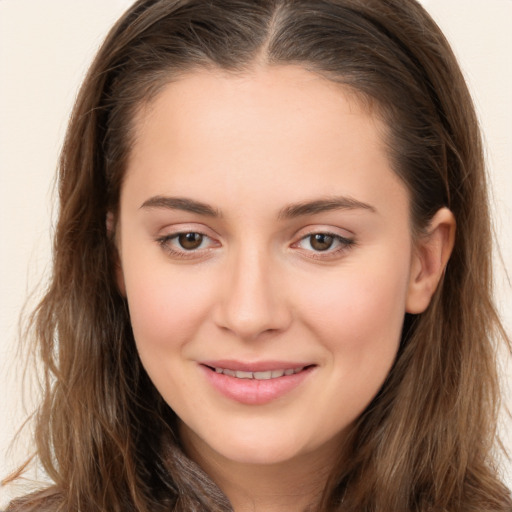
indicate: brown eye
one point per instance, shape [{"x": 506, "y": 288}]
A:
[
  {"x": 321, "y": 241},
  {"x": 190, "y": 241}
]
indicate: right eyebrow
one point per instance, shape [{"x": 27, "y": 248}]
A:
[{"x": 181, "y": 203}]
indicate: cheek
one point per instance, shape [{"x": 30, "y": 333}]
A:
[
  {"x": 359, "y": 324},
  {"x": 166, "y": 313},
  {"x": 165, "y": 308},
  {"x": 359, "y": 315}
]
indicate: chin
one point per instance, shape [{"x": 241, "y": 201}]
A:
[{"x": 260, "y": 448}]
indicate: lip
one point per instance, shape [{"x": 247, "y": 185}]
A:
[
  {"x": 253, "y": 391},
  {"x": 256, "y": 366}
]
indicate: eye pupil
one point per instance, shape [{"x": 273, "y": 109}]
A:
[
  {"x": 321, "y": 241},
  {"x": 190, "y": 241}
]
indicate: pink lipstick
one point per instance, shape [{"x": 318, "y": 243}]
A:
[{"x": 255, "y": 383}]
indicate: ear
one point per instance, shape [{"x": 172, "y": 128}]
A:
[
  {"x": 113, "y": 236},
  {"x": 430, "y": 257}
]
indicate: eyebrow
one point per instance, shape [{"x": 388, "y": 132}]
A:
[
  {"x": 181, "y": 203},
  {"x": 288, "y": 212},
  {"x": 323, "y": 205}
]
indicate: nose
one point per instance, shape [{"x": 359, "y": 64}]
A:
[{"x": 253, "y": 300}]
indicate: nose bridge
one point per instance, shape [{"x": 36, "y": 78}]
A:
[{"x": 252, "y": 303}]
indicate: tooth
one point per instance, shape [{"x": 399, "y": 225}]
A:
[
  {"x": 243, "y": 375},
  {"x": 263, "y": 375}
]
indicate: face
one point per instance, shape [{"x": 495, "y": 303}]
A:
[{"x": 266, "y": 255}]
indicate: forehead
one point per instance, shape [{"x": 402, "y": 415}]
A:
[
  {"x": 280, "y": 96},
  {"x": 274, "y": 129}
]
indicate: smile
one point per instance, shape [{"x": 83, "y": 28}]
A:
[
  {"x": 262, "y": 375},
  {"x": 255, "y": 383}
]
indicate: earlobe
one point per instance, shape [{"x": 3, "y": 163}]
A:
[
  {"x": 113, "y": 237},
  {"x": 429, "y": 261}
]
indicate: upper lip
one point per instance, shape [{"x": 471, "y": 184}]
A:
[{"x": 256, "y": 366}]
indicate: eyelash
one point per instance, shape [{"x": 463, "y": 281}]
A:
[
  {"x": 344, "y": 244},
  {"x": 165, "y": 243}
]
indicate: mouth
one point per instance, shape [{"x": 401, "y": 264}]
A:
[
  {"x": 256, "y": 383},
  {"x": 258, "y": 375}
]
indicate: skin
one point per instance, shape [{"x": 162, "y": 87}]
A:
[{"x": 256, "y": 288}]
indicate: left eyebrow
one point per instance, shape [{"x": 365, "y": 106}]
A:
[{"x": 323, "y": 205}]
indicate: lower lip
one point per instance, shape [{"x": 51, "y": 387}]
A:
[{"x": 253, "y": 391}]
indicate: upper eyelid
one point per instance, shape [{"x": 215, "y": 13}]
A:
[
  {"x": 174, "y": 230},
  {"x": 336, "y": 236},
  {"x": 175, "y": 235},
  {"x": 324, "y": 230},
  {"x": 312, "y": 229}
]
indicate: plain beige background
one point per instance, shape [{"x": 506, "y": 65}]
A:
[{"x": 45, "y": 48}]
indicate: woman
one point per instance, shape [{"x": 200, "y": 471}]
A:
[{"x": 271, "y": 284}]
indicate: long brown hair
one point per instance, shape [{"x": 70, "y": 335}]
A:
[{"x": 103, "y": 433}]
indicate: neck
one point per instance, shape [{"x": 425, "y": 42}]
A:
[{"x": 289, "y": 486}]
